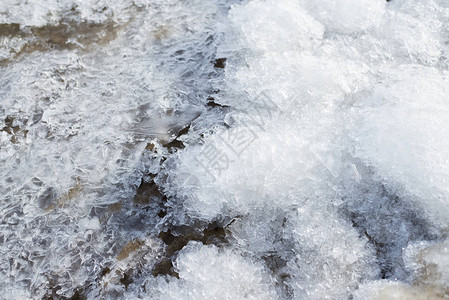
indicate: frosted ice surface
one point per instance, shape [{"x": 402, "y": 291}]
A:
[
  {"x": 346, "y": 16},
  {"x": 206, "y": 272},
  {"x": 288, "y": 21},
  {"x": 38, "y": 13},
  {"x": 77, "y": 125},
  {"x": 411, "y": 129},
  {"x": 224, "y": 149}
]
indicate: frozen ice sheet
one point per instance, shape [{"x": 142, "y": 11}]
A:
[{"x": 224, "y": 149}]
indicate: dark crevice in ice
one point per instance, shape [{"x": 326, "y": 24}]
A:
[
  {"x": 176, "y": 143},
  {"x": 277, "y": 264},
  {"x": 13, "y": 128},
  {"x": 211, "y": 102},
  {"x": 78, "y": 295},
  {"x": 220, "y": 63},
  {"x": 389, "y": 224}
]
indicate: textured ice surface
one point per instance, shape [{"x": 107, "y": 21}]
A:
[
  {"x": 224, "y": 149},
  {"x": 206, "y": 272},
  {"x": 38, "y": 13},
  {"x": 411, "y": 131},
  {"x": 77, "y": 129}
]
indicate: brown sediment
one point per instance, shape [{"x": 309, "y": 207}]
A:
[
  {"x": 69, "y": 35},
  {"x": 405, "y": 292},
  {"x": 131, "y": 246},
  {"x": 10, "y": 30},
  {"x": 130, "y": 259},
  {"x": 429, "y": 276},
  {"x": 52, "y": 293},
  {"x": 66, "y": 35},
  {"x": 50, "y": 202},
  {"x": 14, "y": 130},
  {"x": 114, "y": 207},
  {"x": 149, "y": 146},
  {"x": 146, "y": 191},
  {"x": 84, "y": 33},
  {"x": 71, "y": 193},
  {"x": 161, "y": 32}
]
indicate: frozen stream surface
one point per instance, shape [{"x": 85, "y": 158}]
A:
[{"x": 224, "y": 149}]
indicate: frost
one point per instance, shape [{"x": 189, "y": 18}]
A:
[
  {"x": 410, "y": 131},
  {"x": 224, "y": 149},
  {"x": 206, "y": 272},
  {"x": 346, "y": 16}
]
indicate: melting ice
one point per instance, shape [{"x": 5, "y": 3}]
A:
[{"x": 261, "y": 149}]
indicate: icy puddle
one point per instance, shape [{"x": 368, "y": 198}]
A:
[{"x": 159, "y": 149}]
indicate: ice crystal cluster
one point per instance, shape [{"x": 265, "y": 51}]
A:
[{"x": 224, "y": 149}]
